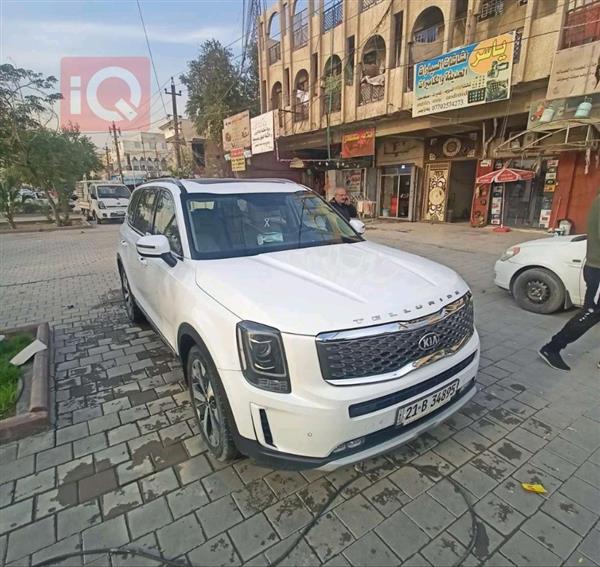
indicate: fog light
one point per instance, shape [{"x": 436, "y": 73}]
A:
[
  {"x": 104, "y": 215},
  {"x": 349, "y": 445}
]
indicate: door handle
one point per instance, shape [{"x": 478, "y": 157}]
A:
[
  {"x": 576, "y": 261},
  {"x": 124, "y": 243}
]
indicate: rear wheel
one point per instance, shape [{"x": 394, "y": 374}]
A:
[
  {"x": 209, "y": 402},
  {"x": 133, "y": 311},
  {"x": 539, "y": 290}
]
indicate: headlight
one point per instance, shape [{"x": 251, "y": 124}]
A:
[
  {"x": 510, "y": 253},
  {"x": 101, "y": 205},
  {"x": 262, "y": 357}
]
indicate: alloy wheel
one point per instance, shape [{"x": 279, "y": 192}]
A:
[{"x": 205, "y": 404}]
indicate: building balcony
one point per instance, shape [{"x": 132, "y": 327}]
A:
[
  {"x": 274, "y": 53},
  {"x": 333, "y": 16},
  {"x": 582, "y": 23},
  {"x": 300, "y": 29},
  {"x": 370, "y": 93},
  {"x": 366, "y": 4},
  {"x": 300, "y": 113}
]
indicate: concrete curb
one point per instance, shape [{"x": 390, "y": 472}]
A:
[{"x": 37, "y": 418}]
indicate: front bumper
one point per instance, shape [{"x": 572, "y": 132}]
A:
[
  {"x": 504, "y": 272},
  {"x": 302, "y": 429}
]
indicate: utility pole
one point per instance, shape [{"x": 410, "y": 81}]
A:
[
  {"x": 175, "y": 122},
  {"x": 108, "y": 164},
  {"x": 113, "y": 130}
]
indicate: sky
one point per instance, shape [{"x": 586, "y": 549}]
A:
[{"x": 37, "y": 34}]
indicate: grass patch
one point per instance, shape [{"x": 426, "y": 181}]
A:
[{"x": 10, "y": 374}]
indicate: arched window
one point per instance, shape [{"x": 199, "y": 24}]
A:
[
  {"x": 300, "y": 24},
  {"x": 276, "y": 96},
  {"x": 332, "y": 85},
  {"x": 274, "y": 38},
  {"x": 301, "y": 96},
  {"x": 427, "y": 39},
  {"x": 372, "y": 84}
]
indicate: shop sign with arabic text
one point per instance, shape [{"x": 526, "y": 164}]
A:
[{"x": 467, "y": 76}]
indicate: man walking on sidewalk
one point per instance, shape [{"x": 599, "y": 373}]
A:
[{"x": 589, "y": 315}]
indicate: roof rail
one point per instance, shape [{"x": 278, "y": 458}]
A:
[
  {"x": 174, "y": 180},
  {"x": 216, "y": 180}
]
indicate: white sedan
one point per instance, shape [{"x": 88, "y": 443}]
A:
[{"x": 544, "y": 275}]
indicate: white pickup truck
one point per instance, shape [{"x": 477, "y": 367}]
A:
[{"x": 102, "y": 200}]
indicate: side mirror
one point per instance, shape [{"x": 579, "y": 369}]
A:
[
  {"x": 358, "y": 225},
  {"x": 93, "y": 196},
  {"x": 155, "y": 246}
]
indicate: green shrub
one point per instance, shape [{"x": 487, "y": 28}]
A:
[{"x": 9, "y": 374}]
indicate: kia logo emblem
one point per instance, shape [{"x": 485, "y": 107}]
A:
[{"x": 429, "y": 341}]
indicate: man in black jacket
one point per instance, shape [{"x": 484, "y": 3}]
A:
[{"x": 342, "y": 204}]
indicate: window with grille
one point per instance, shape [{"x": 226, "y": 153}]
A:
[
  {"x": 333, "y": 16},
  {"x": 490, "y": 9},
  {"x": 366, "y": 4}
]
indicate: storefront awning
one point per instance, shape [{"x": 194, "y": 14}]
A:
[
  {"x": 558, "y": 135},
  {"x": 505, "y": 175}
]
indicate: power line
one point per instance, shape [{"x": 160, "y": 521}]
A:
[{"x": 150, "y": 53}]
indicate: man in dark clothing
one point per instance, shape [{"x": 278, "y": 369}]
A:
[
  {"x": 341, "y": 203},
  {"x": 589, "y": 315}
]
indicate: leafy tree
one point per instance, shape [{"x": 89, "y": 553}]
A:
[
  {"x": 9, "y": 195},
  {"x": 217, "y": 89}
]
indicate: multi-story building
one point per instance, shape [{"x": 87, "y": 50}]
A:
[
  {"x": 342, "y": 71},
  {"x": 141, "y": 152}
]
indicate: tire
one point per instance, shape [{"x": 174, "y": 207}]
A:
[
  {"x": 134, "y": 313},
  {"x": 539, "y": 290},
  {"x": 210, "y": 405}
]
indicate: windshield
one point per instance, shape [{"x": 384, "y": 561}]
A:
[
  {"x": 226, "y": 226},
  {"x": 113, "y": 192}
]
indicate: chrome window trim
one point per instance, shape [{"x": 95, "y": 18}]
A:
[{"x": 398, "y": 326}]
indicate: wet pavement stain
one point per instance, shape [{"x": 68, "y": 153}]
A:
[
  {"x": 568, "y": 507},
  {"x": 493, "y": 472},
  {"x": 503, "y": 511},
  {"x": 518, "y": 387},
  {"x": 482, "y": 541},
  {"x": 509, "y": 452}
]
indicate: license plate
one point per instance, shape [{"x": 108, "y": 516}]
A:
[{"x": 423, "y": 406}]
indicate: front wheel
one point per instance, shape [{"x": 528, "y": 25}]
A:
[
  {"x": 539, "y": 290},
  {"x": 209, "y": 402},
  {"x": 133, "y": 311}
]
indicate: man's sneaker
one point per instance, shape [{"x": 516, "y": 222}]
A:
[{"x": 553, "y": 358}]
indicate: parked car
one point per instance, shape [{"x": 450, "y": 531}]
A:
[
  {"x": 303, "y": 345},
  {"x": 544, "y": 275},
  {"x": 101, "y": 201}
]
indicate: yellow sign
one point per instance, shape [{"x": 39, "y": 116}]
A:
[{"x": 238, "y": 161}]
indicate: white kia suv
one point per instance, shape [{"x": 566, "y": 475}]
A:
[{"x": 303, "y": 345}]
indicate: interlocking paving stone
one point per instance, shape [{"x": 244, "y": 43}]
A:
[
  {"x": 77, "y": 518},
  {"x": 526, "y": 439},
  {"x": 370, "y": 550},
  {"x": 386, "y": 496},
  {"x": 555, "y": 465},
  {"x": 6, "y": 493},
  {"x": 97, "y": 484},
  {"x": 523, "y": 550},
  {"x": 16, "y": 469},
  {"x": 72, "y": 433},
  {"x": 218, "y": 551},
  {"x": 556, "y": 537},
  {"x": 193, "y": 469},
  {"x": 221, "y": 483},
  {"x": 33, "y": 444},
  {"x": 110, "y": 533},
  {"x": 104, "y": 423},
  {"x": 513, "y": 493},
  {"x": 582, "y": 493},
  {"x": 148, "y": 517},
  {"x": 300, "y": 556},
  {"x": 34, "y": 484},
  {"x": 589, "y": 472},
  {"x": 55, "y": 500},
  {"x": 532, "y": 474},
  {"x": 16, "y": 515},
  {"x": 474, "y": 480},
  {"x": 180, "y": 536},
  {"x": 158, "y": 484},
  {"x": 453, "y": 452},
  {"x": 90, "y": 444},
  {"x": 328, "y": 536},
  {"x": 218, "y": 516},
  {"x": 111, "y": 456},
  {"x": 411, "y": 481},
  {"x": 287, "y": 515},
  {"x": 486, "y": 541},
  {"x": 571, "y": 514},
  {"x": 443, "y": 550},
  {"x": 500, "y": 515},
  {"x": 283, "y": 483},
  {"x": 121, "y": 500},
  {"x": 402, "y": 535},
  {"x": 317, "y": 494},
  {"x": 428, "y": 514},
  {"x": 30, "y": 538},
  {"x": 590, "y": 546},
  {"x": 68, "y": 545},
  {"x": 133, "y": 470},
  {"x": 252, "y": 536},
  {"x": 53, "y": 457},
  {"x": 76, "y": 469},
  {"x": 186, "y": 499}
]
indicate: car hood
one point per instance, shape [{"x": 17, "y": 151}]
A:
[
  {"x": 325, "y": 288},
  {"x": 552, "y": 241}
]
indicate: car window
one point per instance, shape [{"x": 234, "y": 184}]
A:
[
  {"x": 133, "y": 208},
  {"x": 230, "y": 225},
  {"x": 165, "y": 221},
  {"x": 144, "y": 215}
]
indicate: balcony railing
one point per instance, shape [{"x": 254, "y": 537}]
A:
[
  {"x": 428, "y": 35},
  {"x": 300, "y": 111},
  {"x": 370, "y": 93},
  {"x": 366, "y": 4},
  {"x": 332, "y": 102},
  {"x": 582, "y": 24},
  {"x": 300, "y": 29},
  {"x": 490, "y": 9},
  {"x": 333, "y": 16},
  {"x": 274, "y": 53}
]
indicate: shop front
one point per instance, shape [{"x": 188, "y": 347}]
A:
[
  {"x": 450, "y": 172},
  {"x": 399, "y": 181}
]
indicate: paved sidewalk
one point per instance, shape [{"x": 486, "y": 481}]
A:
[{"x": 123, "y": 466}]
